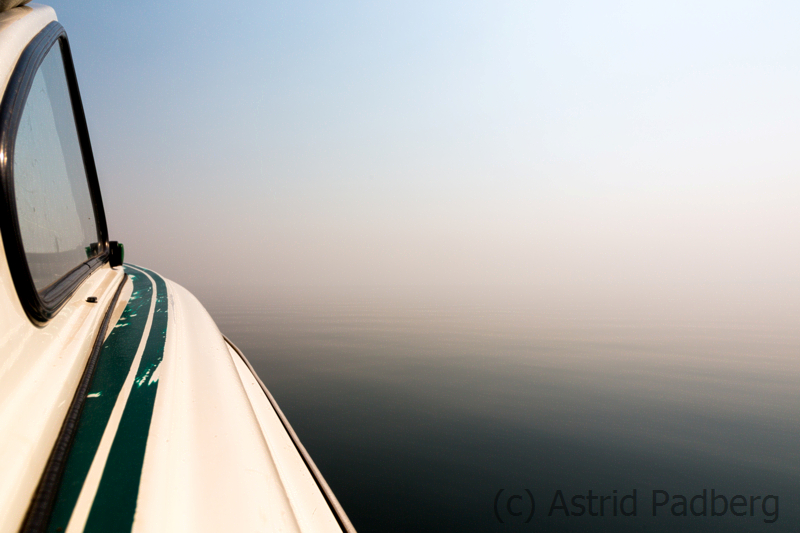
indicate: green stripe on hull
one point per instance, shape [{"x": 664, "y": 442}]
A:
[
  {"x": 115, "y": 503},
  {"x": 113, "y": 366}
]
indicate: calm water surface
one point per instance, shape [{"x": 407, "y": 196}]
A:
[{"x": 454, "y": 414}]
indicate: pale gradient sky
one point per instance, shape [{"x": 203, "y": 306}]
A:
[{"x": 597, "y": 147}]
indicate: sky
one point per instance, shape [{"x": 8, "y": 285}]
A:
[{"x": 593, "y": 148}]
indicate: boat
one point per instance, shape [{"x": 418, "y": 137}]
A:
[{"x": 122, "y": 406}]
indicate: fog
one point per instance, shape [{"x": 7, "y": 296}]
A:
[{"x": 610, "y": 154}]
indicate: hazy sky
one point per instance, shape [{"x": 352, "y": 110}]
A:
[{"x": 634, "y": 146}]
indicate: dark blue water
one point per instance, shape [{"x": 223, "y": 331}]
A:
[{"x": 454, "y": 413}]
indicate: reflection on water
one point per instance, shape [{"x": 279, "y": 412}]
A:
[{"x": 437, "y": 414}]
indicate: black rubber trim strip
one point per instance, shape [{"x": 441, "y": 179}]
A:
[
  {"x": 333, "y": 503},
  {"x": 41, "y": 507}
]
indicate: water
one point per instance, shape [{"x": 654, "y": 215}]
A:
[{"x": 463, "y": 413}]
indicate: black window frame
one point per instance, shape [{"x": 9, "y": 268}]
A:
[{"x": 41, "y": 306}]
